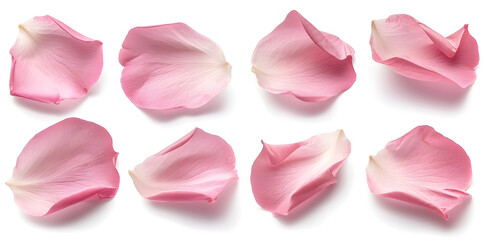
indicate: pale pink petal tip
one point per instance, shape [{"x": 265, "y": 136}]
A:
[
  {"x": 52, "y": 62},
  {"x": 284, "y": 176},
  {"x": 171, "y": 66},
  {"x": 423, "y": 168},
  {"x": 299, "y": 60},
  {"x": 195, "y": 168},
  {"x": 414, "y": 50},
  {"x": 69, "y": 162}
]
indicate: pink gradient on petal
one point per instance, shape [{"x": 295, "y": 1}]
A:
[
  {"x": 52, "y": 62},
  {"x": 298, "y": 59},
  {"x": 423, "y": 168},
  {"x": 284, "y": 176},
  {"x": 414, "y": 50},
  {"x": 197, "y": 167},
  {"x": 69, "y": 162},
  {"x": 172, "y": 66}
]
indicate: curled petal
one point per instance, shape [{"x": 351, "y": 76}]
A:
[
  {"x": 194, "y": 168},
  {"x": 52, "y": 62},
  {"x": 172, "y": 66},
  {"x": 284, "y": 176},
  {"x": 423, "y": 168},
  {"x": 298, "y": 59},
  {"x": 69, "y": 162},
  {"x": 414, "y": 50}
]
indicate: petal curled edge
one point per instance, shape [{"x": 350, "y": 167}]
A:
[
  {"x": 69, "y": 162},
  {"x": 195, "y": 168},
  {"x": 52, "y": 62},
  {"x": 414, "y": 50},
  {"x": 423, "y": 168},
  {"x": 299, "y": 60},
  {"x": 172, "y": 66},
  {"x": 284, "y": 176}
]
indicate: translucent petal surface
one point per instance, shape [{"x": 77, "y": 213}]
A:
[
  {"x": 51, "y": 62},
  {"x": 284, "y": 176},
  {"x": 171, "y": 66},
  {"x": 298, "y": 59},
  {"x": 66, "y": 163},
  {"x": 194, "y": 168},
  {"x": 423, "y": 168},
  {"x": 414, "y": 50}
]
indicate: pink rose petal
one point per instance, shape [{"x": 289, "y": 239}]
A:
[
  {"x": 69, "y": 162},
  {"x": 298, "y": 59},
  {"x": 51, "y": 62},
  {"x": 284, "y": 176},
  {"x": 195, "y": 168},
  {"x": 423, "y": 168},
  {"x": 414, "y": 50},
  {"x": 172, "y": 66}
]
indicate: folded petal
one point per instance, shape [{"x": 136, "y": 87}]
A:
[
  {"x": 194, "y": 168},
  {"x": 172, "y": 66},
  {"x": 298, "y": 59},
  {"x": 423, "y": 168},
  {"x": 52, "y": 62},
  {"x": 69, "y": 162},
  {"x": 284, "y": 176},
  {"x": 414, "y": 50}
]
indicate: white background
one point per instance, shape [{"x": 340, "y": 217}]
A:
[{"x": 381, "y": 106}]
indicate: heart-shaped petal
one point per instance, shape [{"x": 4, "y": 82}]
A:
[
  {"x": 195, "y": 168},
  {"x": 423, "y": 168},
  {"x": 414, "y": 50},
  {"x": 69, "y": 162},
  {"x": 284, "y": 176},
  {"x": 172, "y": 66},
  {"x": 298, "y": 59},
  {"x": 52, "y": 62}
]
